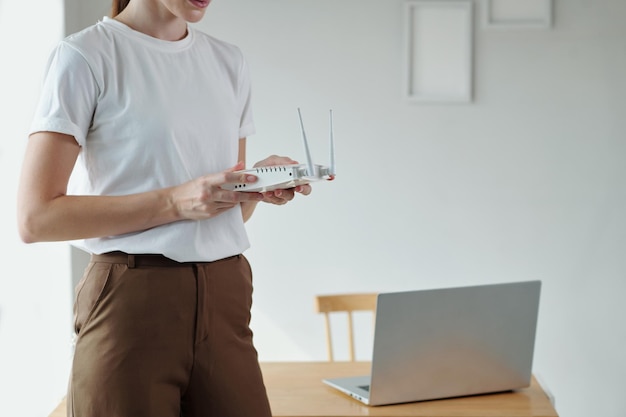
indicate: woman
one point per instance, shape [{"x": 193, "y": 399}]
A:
[{"x": 141, "y": 121}]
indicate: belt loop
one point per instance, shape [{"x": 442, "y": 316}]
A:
[{"x": 131, "y": 261}]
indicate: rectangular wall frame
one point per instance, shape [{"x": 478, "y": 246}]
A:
[
  {"x": 517, "y": 14},
  {"x": 438, "y": 51}
]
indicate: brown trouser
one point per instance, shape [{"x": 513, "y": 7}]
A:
[{"x": 157, "y": 338}]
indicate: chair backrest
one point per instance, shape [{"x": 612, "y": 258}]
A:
[{"x": 346, "y": 303}]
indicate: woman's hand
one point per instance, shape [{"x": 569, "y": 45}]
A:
[
  {"x": 281, "y": 196},
  {"x": 204, "y": 197}
]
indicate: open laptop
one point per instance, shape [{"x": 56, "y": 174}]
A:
[{"x": 450, "y": 342}]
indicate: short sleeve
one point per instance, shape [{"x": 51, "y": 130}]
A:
[{"x": 69, "y": 95}]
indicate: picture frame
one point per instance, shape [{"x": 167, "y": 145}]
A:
[
  {"x": 438, "y": 51},
  {"x": 517, "y": 14}
]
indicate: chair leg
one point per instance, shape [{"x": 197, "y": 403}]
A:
[
  {"x": 350, "y": 337},
  {"x": 329, "y": 343}
]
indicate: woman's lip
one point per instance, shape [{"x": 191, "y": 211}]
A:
[{"x": 201, "y": 4}]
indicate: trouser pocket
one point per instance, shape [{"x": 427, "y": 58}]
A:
[{"x": 89, "y": 293}]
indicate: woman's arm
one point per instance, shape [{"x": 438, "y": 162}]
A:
[{"x": 47, "y": 213}]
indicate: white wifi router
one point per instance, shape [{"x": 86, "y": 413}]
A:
[{"x": 288, "y": 176}]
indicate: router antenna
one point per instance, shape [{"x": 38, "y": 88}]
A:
[
  {"x": 332, "y": 146},
  {"x": 309, "y": 161}
]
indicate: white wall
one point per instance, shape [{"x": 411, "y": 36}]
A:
[
  {"x": 524, "y": 183},
  {"x": 527, "y": 182},
  {"x": 35, "y": 301}
]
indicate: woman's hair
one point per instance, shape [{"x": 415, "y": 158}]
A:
[{"x": 118, "y": 6}]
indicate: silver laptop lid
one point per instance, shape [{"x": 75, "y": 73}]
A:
[{"x": 449, "y": 342}]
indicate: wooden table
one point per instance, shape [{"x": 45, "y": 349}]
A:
[{"x": 295, "y": 389}]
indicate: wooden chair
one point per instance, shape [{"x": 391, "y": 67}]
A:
[{"x": 346, "y": 303}]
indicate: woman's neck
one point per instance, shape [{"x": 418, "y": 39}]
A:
[{"x": 152, "y": 19}]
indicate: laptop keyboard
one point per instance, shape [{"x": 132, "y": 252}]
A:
[{"x": 365, "y": 387}]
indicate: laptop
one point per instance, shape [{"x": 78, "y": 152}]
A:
[{"x": 450, "y": 342}]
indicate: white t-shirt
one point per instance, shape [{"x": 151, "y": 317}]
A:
[{"x": 149, "y": 114}]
